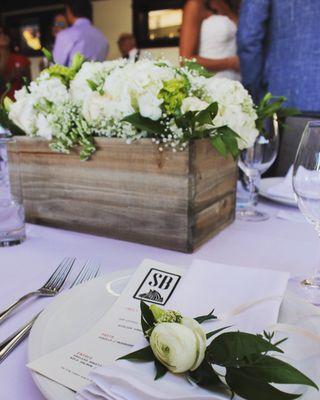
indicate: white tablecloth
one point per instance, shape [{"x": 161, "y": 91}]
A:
[{"x": 275, "y": 244}]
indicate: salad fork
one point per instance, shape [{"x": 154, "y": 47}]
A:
[
  {"x": 89, "y": 271},
  {"x": 49, "y": 289}
]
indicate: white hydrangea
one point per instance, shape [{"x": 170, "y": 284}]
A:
[
  {"x": 236, "y": 109},
  {"x": 32, "y": 109},
  {"x": 193, "y": 104},
  {"x": 150, "y": 106},
  {"x": 22, "y": 112},
  {"x": 95, "y": 72}
]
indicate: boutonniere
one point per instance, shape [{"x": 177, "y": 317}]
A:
[{"x": 179, "y": 345}]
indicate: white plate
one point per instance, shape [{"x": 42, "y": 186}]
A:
[
  {"x": 72, "y": 313},
  {"x": 266, "y": 184},
  {"x": 67, "y": 317}
]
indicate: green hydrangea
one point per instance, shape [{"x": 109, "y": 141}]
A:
[
  {"x": 161, "y": 315},
  {"x": 66, "y": 74},
  {"x": 173, "y": 93}
]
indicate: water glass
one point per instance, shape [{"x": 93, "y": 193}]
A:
[
  {"x": 254, "y": 161},
  {"x": 306, "y": 185},
  {"x": 12, "y": 217}
]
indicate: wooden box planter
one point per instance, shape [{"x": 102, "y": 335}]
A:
[{"x": 131, "y": 192}]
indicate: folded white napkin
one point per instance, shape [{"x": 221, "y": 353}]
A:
[
  {"x": 248, "y": 298},
  {"x": 285, "y": 188}
]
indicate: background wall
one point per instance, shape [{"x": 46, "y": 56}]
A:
[{"x": 114, "y": 17}]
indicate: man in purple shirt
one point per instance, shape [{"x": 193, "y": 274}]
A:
[{"x": 82, "y": 37}]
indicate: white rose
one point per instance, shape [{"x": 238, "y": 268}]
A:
[
  {"x": 150, "y": 106},
  {"x": 180, "y": 347},
  {"x": 193, "y": 104}
]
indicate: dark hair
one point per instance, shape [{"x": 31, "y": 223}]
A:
[
  {"x": 233, "y": 4},
  {"x": 80, "y": 8}
]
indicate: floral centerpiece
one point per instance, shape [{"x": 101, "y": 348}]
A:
[{"x": 121, "y": 99}]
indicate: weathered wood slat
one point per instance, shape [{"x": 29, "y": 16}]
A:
[{"x": 131, "y": 192}]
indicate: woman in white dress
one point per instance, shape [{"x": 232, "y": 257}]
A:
[{"x": 208, "y": 34}]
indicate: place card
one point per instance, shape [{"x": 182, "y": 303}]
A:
[{"x": 116, "y": 332}]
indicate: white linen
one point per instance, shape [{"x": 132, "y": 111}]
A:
[
  {"x": 251, "y": 306},
  {"x": 294, "y": 216},
  {"x": 285, "y": 188}
]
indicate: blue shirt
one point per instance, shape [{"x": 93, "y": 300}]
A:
[
  {"x": 82, "y": 38},
  {"x": 279, "y": 50}
]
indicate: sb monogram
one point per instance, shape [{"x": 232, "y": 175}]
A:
[{"x": 157, "y": 287}]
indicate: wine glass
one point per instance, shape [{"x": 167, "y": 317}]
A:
[
  {"x": 306, "y": 185},
  {"x": 256, "y": 160}
]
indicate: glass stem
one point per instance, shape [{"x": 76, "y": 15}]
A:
[{"x": 253, "y": 184}]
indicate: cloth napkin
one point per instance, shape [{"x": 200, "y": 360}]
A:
[
  {"x": 284, "y": 189},
  {"x": 248, "y": 298}
]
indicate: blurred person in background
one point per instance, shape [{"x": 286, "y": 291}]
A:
[
  {"x": 208, "y": 34},
  {"x": 14, "y": 67},
  {"x": 82, "y": 37},
  {"x": 278, "y": 45},
  {"x": 59, "y": 24},
  {"x": 128, "y": 47}
]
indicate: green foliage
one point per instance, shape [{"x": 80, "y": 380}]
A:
[
  {"x": 205, "y": 376},
  {"x": 251, "y": 388},
  {"x": 146, "y": 124},
  {"x": 66, "y": 74},
  {"x": 173, "y": 93},
  {"x": 144, "y": 354},
  {"x": 48, "y": 55},
  {"x": 269, "y": 106},
  {"x": 204, "y": 318},
  {"x": 197, "y": 68}
]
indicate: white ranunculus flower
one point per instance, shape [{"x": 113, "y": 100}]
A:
[
  {"x": 193, "y": 104},
  {"x": 150, "y": 106},
  {"x": 180, "y": 347},
  {"x": 201, "y": 339}
]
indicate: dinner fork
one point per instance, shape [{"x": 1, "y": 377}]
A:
[
  {"x": 49, "y": 289},
  {"x": 89, "y": 271}
]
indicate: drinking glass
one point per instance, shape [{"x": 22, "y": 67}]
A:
[
  {"x": 254, "y": 161},
  {"x": 12, "y": 218},
  {"x": 306, "y": 185}
]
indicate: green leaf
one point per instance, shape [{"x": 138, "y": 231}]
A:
[
  {"x": 48, "y": 55},
  {"x": 147, "y": 318},
  {"x": 219, "y": 145},
  {"x": 229, "y": 137},
  {"x": 145, "y": 124},
  {"x": 273, "y": 370},
  {"x": 187, "y": 120},
  {"x": 232, "y": 349},
  {"x": 205, "y": 376},
  {"x": 160, "y": 368},
  {"x": 207, "y": 317},
  {"x": 251, "y": 388},
  {"x": 199, "y": 69},
  {"x": 208, "y": 115},
  {"x": 92, "y": 85},
  {"x": 213, "y": 333},
  {"x": 77, "y": 61},
  {"x": 145, "y": 354}
]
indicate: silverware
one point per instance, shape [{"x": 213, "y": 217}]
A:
[
  {"x": 49, "y": 289},
  {"x": 89, "y": 271}
]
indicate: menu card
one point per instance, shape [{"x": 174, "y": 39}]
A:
[{"x": 117, "y": 331}]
